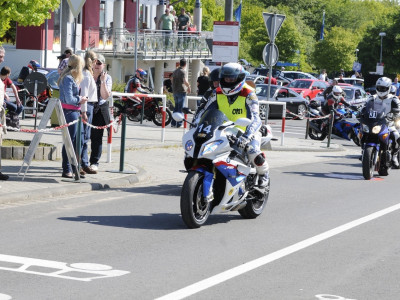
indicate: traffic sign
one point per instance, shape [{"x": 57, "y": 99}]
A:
[
  {"x": 270, "y": 54},
  {"x": 273, "y": 22},
  {"x": 76, "y": 6}
]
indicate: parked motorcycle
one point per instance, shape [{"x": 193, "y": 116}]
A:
[
  {"x": 220, "y": 176},
  {"x": 132, "y": 107},
  {"x": 377, "y": 143},
  {"x": 346, "y": 125}
]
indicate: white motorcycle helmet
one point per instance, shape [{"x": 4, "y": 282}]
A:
[
  {"x": 337, "y": 92},
  {"x": 383, "y": 87},
  {"x": 232, "y": 78}
]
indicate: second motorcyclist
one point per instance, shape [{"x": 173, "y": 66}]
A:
[
  {"x": 237, "y": 100},
  {"x": 136, "y": 83}
]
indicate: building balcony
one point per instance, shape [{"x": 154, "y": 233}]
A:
[{"x": 151, "y": 44}]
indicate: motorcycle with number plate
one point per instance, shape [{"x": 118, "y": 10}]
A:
[
  {"x": 376, "y": 141},
  {"x": 220, "y": 177},
  {"x": 132, "y": 107}
]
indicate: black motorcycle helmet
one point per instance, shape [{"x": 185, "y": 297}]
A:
[
  {"x": 232, "y": 78},
  {"x": 214, "y": 75}
]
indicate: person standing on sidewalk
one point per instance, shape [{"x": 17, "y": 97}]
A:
[
  {"x": 71, "y": 102},
  {"x": 180, "y": 86},
  {"x": 64, "y": 63},
  {"x": 88, "y": 89},
  {"x": 101, "y": 111},
  {"x": 2, "y": 112}
]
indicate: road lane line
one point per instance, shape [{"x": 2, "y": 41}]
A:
[{"x": 251, "y": 265}]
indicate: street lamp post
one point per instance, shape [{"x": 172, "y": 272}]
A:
[
  {"x": 357, "y": 54},
  {"x": 381, "y": 34}
]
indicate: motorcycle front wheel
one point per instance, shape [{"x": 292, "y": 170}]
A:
[
  {"x": 157, "y": 118},
  {"x": 195, "y": 209},
  {"x": 315, "y": 135},
  {"x": 256, "y": 204},
  {"x": 368, "y": 162}
]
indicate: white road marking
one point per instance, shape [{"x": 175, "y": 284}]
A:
[
  {"x": 77, "y": 271},
  {"x": 5, "y": 297},
  {"x": 331, "y": 297},
  {"x": 251, "y": 265}
]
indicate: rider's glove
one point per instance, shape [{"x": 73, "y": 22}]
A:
[
  {"x": 353, "y": 107},
  {"x": 242, "y": 142}
]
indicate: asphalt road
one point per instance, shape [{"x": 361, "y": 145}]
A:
[{"x": 326, "y": 234}]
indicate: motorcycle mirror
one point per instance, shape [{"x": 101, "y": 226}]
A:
[
  {"x": 243, "y": 122},
  {"x": 177, "y": 116}
]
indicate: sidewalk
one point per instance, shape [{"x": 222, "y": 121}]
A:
[{"x": 144, "y": 152}]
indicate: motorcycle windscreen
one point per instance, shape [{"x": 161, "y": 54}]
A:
[
  {"x": 374, "y": 113},
  {"x": 209, "y": 122}
]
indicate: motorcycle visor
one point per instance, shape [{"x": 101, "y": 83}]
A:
[{"x": 382, "y": 89}]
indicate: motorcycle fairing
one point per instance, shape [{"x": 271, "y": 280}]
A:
[
  {"x": 230, "y": 172},
  {"x": 207, "y": 181}
]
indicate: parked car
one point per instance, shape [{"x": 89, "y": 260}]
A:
[
  {"x": 353, "y": 81},
  {"x": 354, "y": 95},
  {"x": 264, "y": 71},
  {"x": 296, "y": 75},
  {"x": 371, "y": 90},
  {"x": 294, "y": 102},
  {"x": 308, "y": 88}
]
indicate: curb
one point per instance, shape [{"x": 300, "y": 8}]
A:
[{"x": 40, "y": 194}]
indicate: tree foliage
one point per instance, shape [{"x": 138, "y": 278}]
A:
[
  {"x": 25, "y": 12},
  {"x": 336, "y": 51}
]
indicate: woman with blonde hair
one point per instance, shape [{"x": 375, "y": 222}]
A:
[
  {"x": 71, "y": 101},
  {"x": 88, "y": 89},
  {"x": 203, "y": 83}
]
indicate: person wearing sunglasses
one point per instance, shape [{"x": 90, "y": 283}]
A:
[{"x": 101, "y": 112}]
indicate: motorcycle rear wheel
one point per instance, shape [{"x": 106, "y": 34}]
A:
[
  {"x": 368, "y": 162},
  {"x": 157, "y": 118},
  {"x": 194, "y": 209},
  {"x": 315, "y": 135},
  {"x": 255, "y": 207}
]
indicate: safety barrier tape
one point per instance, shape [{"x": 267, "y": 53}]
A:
[{"x": 304, "y": 117}]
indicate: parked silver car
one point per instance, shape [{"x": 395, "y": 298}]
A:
[{"x": 294, "y": 102}]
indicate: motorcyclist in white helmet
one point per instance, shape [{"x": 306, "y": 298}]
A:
[
  {"x": 393, "y": 90},
  {"x": 236, "y": 99},
  {"x": 334, "y": 99},
  {"x": 389, "y": 103}
]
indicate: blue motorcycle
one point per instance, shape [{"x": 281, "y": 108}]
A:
[
  {"x": 348, "y": 126},
  {"x": 376, "y": 143}
]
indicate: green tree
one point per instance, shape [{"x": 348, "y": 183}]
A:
[
  {"x": 25, "y": 12},
  {"x": 336, "y": 51}
]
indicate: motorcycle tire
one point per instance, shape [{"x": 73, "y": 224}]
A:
[
  {"x": 157, "y": 118},
  {"x": 194, "y": 209},
  {"x": 255, "y": 207},
  {"x": 368, "y": 162}
]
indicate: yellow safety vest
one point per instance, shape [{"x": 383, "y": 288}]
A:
[{"x": 237, "y": 109}]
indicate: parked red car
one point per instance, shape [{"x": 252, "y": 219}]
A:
[{"x": 308, "y": 88}]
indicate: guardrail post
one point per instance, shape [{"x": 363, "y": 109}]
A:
[{"x": 307, "y": 125}]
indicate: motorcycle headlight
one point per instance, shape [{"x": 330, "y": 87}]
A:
[
  {"x": 189, "y": 145},
  {"x": 210, "y": 147},
  {"x": 365, "y": 128},
  {"x": 376, "y": 129}
]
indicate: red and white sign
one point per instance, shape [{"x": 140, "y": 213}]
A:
[{"x": 225, "y": 41}]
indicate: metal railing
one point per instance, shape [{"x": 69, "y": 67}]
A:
[{"x": 150, "y": 43}]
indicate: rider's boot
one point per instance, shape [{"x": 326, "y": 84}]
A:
[{"x": 263, "y": 180}]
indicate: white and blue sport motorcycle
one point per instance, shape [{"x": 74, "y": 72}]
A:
[{"x": 220, "y": 176}]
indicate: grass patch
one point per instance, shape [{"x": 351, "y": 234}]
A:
[{"x": 23, "y": 143}]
